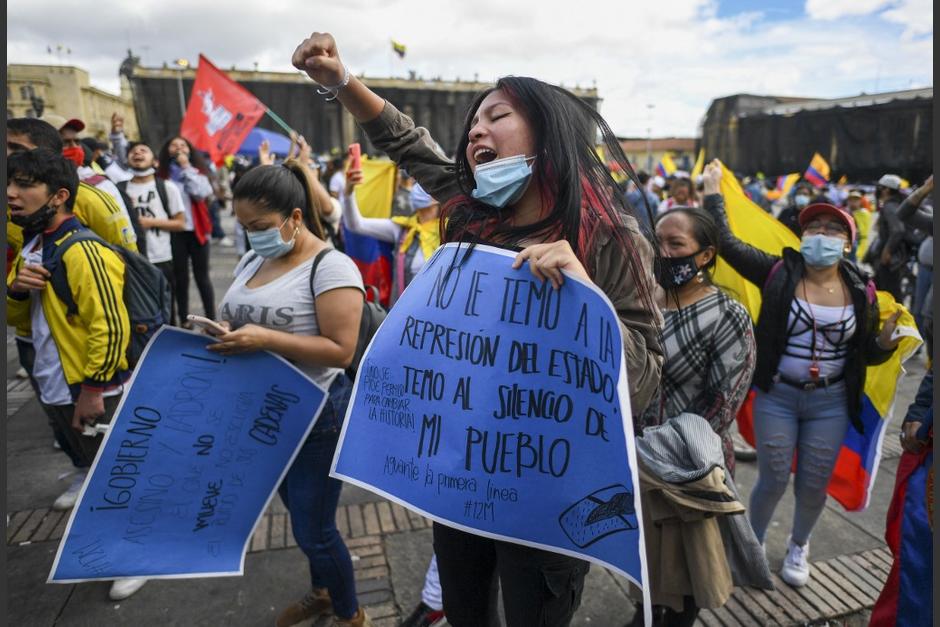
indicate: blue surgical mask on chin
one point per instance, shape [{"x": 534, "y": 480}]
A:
[
  {"x": 268, "y": 243},
  {"x": 821, "y": 250},
  {"x": 503, "y": 181}
]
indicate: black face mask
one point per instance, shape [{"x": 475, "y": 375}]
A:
[
  {"x": 36, "y": 221},
  {"x": 677, "y": 271}
]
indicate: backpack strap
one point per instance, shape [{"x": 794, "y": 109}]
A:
[
  {"x": 161, "y": 192},
  {"x": 313, "y": 268},
  {"x": 773, "y": 271},
  {"x": 134, "y": 216},
  {"x": 58, "y": 272}
]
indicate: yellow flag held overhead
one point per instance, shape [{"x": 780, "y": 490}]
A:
[
  {"x": 756, "y": 227},
  {"x": 699, "y": 166},
  {"x": 374, "y": 195}
]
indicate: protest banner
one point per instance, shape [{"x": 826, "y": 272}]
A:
[
  {"x": 197, "y": 447},
  {"x": 495, "y": 404}
]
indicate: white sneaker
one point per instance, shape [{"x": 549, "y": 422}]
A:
[
  {"x": 123, "y": 588},
  {"x": 56, "y": 445},
  {"x": 227, "y": 241},
  {"x": 795, "y": 569},
  {"x": 68, "y": 498},
  {"x": 22, "y": 374}
]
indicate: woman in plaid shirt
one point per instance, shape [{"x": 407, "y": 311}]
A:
[{"x": 707, "y": 336}]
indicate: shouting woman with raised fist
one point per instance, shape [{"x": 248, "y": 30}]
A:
[{"x": 526, "y": 177}]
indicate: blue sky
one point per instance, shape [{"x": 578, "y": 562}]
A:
[
  {"x": 675, "y": 54},
  {"x": 774, "y": 9}
]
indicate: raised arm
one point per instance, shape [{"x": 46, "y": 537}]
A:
[
  {"x": 379, "y": 228},
  {"x": 909, "y": 212},
  {"x": 119, "y": 141},
  {"x": 750, "y": 262},
  {"x": 388, "y": 129}
]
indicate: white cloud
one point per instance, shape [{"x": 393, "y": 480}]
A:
[
  {"x": 677, "y": 54},
  {"x": 835, "y": 9},
  {"x": 916, "y": 16}
]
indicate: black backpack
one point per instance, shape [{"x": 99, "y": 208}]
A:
[{"x": 146, "y": 291}]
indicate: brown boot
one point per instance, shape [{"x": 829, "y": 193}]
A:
[
  {"x": 361, "y": 619},
  {"x": 316, "y": 604}
]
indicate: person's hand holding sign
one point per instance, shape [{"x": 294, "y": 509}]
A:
[
  {"x": 247, "y": 339},
  {"x": 546, "y": 261}
]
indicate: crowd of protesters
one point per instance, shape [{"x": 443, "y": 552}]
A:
[{"x": 692, "y": 352}]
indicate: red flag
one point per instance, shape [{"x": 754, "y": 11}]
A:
[{"x": 220, "y": 114}]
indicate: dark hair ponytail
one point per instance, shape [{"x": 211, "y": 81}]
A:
[{"x": 281, "y": 188}]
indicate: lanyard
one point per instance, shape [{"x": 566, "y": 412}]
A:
[{"x": 814, "y": 364}]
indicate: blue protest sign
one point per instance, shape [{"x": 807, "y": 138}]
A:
[
  {"x": 195, "y": 451},
  {"x": 492, "y": 403}
]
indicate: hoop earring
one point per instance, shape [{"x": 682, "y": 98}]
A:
[{"x": 700, "y": 277}]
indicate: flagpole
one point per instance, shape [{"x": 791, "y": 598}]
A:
[{"x": 279, "y": 121}]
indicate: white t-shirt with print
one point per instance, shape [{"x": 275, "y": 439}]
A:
[
  {"x": 147, "y": 202},
  {"x": 286, "y": 303}
]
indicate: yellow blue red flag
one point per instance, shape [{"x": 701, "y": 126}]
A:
[
  {"x": 666, "y": 166},
  {"x": 818, "y": 171},
  {"x": 374, "y": 197}
]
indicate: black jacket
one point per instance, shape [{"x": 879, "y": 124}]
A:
[{"x": 778, "y": 286}]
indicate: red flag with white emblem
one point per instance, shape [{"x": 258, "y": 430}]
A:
[{"x": 220, "y": 113}]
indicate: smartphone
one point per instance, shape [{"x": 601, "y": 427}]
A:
[
  {"x": 205, "y": 323},
  {"x": 355, "y": 157},
  {"x": 93, "y": 430}
]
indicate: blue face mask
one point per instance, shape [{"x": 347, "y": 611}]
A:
[
  {"x": 503, "y": 181},
  {"x": 800, "y": 200},
  {"x": 268, "y": 243},
  {"x": 821, "y": 250}
]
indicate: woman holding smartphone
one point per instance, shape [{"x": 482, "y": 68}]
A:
[{"x": 274, "y": 305}]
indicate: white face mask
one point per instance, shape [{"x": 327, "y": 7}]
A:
[{"x": 503, "y": 181}]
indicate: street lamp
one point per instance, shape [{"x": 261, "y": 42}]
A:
[
  {"x": 649, "y": 139},
  {"x": 183, "y": 64}
]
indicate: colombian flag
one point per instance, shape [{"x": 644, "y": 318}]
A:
[
  {"x": 860, "y": 455},
  {"x": 783, "y": 186},
  {"x": 399, "y": 48},
  {"x": 666, "y": 166},
  {"x": 374, "y": 197},
  {"x": 818, "y": 171}
]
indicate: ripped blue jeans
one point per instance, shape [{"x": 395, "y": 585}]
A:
[{"x": 789, "y": 419}]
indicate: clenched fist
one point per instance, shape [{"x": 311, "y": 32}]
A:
[{"x": 319, "y": 58}]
